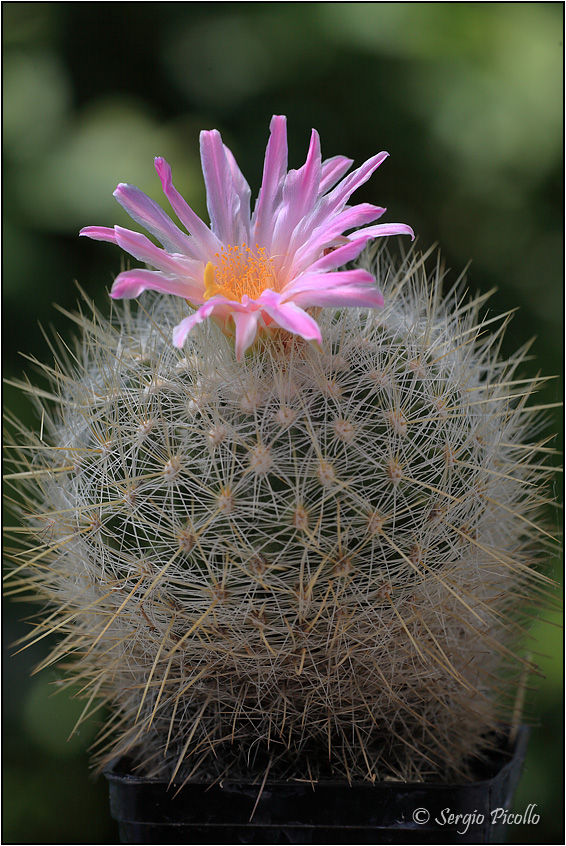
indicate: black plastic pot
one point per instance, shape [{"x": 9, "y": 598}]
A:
[{"x": 330, "y": 812}]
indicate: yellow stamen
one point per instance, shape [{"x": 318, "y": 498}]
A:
[
  {"x": 239, "y": 271},
  {"x": 209, "y": 286}
]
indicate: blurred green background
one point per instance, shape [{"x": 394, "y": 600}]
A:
[{"x": 467, "y": 99}]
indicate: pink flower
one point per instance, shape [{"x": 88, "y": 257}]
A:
[{"x": 252, "y": 271}]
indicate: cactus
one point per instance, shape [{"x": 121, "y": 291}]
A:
[{"x": 320, "y": 562}]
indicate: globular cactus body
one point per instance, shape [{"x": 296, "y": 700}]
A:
[{"x": 312, "y": 559}]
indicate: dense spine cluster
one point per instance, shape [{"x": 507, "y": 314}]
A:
[{"x": 316, "y": 561}]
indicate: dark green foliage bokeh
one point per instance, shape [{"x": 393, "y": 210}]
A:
[{"x": 467, "y": 99}]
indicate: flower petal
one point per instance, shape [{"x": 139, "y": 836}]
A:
[
  {"x": 183, "y": 328},
  {"x": 300, "y": 192},
  {"x": 301, "y": 188},
  {"x": 151, "y": 216},
  {"x": 242, "y": 189},
  {"x": 383, "y": 229},
  {"x": 143, "y": 249},
  {"x": 332, "y": 170},
  {"x": 339, "y": 255},
  {"x": 274, "y": 171},
  {"x": 316, "y": 281},
  {"x": 131, "y": 283},
  {"x": 289, "y": 316},
  {"x": 205, "y": 243},
  {"x": 246, "y": 329},
  {"x": 99, "y": 233},
  {"x": 335, "y": 201},
  {"x": 222, "y": 199},
  {"x": 307, "y": 244},
  {"x": 343, "y": 288}
]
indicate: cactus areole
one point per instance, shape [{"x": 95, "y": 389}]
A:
[{"x": 300, "y": 538}]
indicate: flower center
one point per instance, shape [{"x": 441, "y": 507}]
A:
[{"x": 239, "y": 271}]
